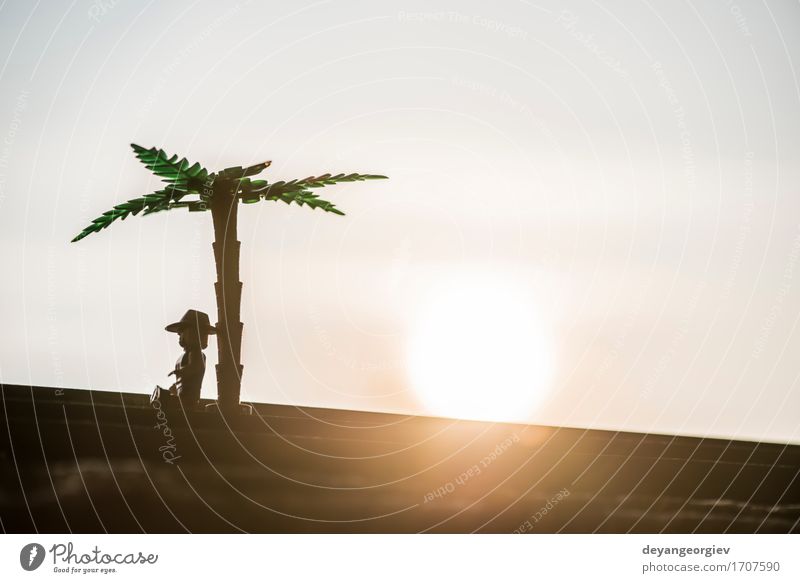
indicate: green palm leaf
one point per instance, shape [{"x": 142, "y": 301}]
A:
[
  {"x": 178, "y": 173},
  {"x": 266, "y": 189},
  {"x": 182, "y": 178},
  {"x": 306, "y": 197},
  {"x": 149, "y": 203},
  {"x": 297, "y": 191}
]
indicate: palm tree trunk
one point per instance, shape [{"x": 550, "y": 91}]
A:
[{"x": 228, "y": 288}]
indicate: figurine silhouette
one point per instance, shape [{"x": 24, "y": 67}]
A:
[{"x": 193, "y": 330}]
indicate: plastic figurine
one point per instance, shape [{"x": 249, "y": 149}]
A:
[{"x": 193, "y": 330}]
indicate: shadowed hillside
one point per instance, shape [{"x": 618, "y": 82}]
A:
[{"x": 85, "y": 461}]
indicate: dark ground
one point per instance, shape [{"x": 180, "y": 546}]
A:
[{"x": 86, "y": 461}]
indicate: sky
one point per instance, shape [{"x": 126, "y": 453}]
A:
[{"x": 591, "y": 218}]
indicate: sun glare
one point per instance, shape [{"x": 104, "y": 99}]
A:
[{"x": 479, "y": 350}]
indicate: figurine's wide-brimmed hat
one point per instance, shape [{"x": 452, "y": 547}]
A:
[{"x": 193, "y": 319}]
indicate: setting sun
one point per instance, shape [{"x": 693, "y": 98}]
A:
[{"x": 480, "y": 350}]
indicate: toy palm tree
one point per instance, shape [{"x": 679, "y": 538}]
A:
[{"x": 220, "y": 192}]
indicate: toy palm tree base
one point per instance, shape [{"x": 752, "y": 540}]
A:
[{"x": 233, "y": 409}]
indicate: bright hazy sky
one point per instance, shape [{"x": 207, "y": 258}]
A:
[{"x": 593, "y": 216}]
